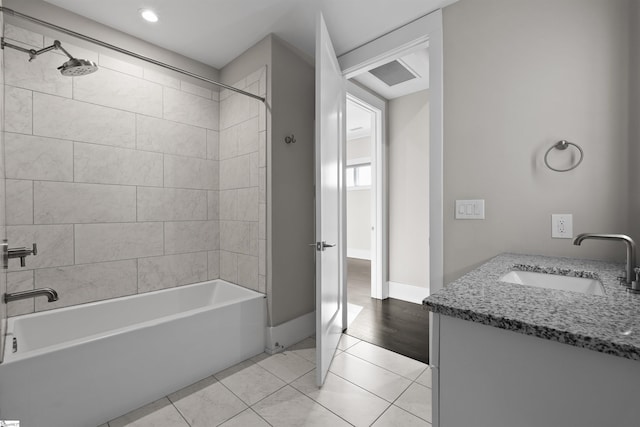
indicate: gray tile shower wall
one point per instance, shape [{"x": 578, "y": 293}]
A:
[
  {"x": 116, "y": 176},
  {"x": 242, "y": 199}
]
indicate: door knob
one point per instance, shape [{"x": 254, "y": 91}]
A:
[{"x": 321, "y": 246}]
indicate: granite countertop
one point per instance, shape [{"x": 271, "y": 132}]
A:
[{"x": 609, "y": 324}]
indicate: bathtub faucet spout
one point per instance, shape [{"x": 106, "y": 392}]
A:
[{"x": 48, "y": 292}]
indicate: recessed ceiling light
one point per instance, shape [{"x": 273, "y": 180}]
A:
[{"x": 148, "y": 15}]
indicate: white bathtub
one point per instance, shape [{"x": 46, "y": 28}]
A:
[{"x": 82, "y": 366}]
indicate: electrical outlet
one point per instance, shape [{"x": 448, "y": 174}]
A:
[{"x": 562, "y": 226}]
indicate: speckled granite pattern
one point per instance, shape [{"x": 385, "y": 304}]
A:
[
  {"x": 556, "y": 270},
  {"x": 609, "y": 324}
]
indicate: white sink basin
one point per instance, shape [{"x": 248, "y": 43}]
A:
[{"x": 554, "y": 281}]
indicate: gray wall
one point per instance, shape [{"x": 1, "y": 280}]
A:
[
  {"x": 290, "y": 265},
  {"x": 634, "y": 123},
  {"x": 409, "y": 189},
  {"x": 292, "y": 225},
  {"x": 519, "y": 76},
  {"x": 247, "y": 62}
]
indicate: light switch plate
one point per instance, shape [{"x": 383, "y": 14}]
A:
[
  {"x": 562, "y": 226},
  {"x": 469, "y": 209}
]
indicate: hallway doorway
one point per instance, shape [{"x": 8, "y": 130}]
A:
[
  {"x": 393, "y": 324},
  {"x": 424, "y": 33},
  {"x": 387, "y": 213}
]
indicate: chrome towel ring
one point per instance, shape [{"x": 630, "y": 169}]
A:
[{"x": 563, "y": 145}]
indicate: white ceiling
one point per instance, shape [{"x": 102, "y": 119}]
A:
[{"x": 216, "y": 31}]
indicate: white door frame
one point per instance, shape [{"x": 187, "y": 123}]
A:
[
  {"x": 378, "y": 107},
  {"x": 425, "y": 31}
]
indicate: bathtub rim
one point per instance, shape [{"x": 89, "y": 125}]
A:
[{"x": 10, "y": 357}]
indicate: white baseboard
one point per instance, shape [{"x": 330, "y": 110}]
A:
[
  {"x": 358, "y": 253},
  {"x": 408, "y": 293},
  {"x": 284, "y": 335}
]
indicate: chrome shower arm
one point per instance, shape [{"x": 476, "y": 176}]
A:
[
  {"x": 35, "y": 53},
  {"x": 32, "y": 52},
  {"x": 58, "y": 45}
]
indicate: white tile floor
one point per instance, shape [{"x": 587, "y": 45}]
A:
[{"x": 366, "y": 386}]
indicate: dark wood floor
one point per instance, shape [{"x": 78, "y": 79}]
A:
[{"x": 396, "y": 325}]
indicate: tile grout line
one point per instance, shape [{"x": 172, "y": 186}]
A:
[
  {"x": 415, "y": 415},
  {"x": 411, "y": 413},
  {"x": 199, "y": 189},
  {"x": 124, "y": 147},
  {"x": 392, "y": 403},
  {"x": 380, "y": 416},
  {"x": 208, "y": 271},
  {"x": 73, "y": 161},
  {"x": 33, "y": 277},
  {"x": 369, "y": 391},
  {"x": 106, "y": 261},
  {"x": 32, "y": 113},
  {"x": 290, "y": 384},
  {"x": 164, "y": 161},
  {"x": 136, "y": 202},
  {"x": 250, "y": 406},
  {"x": 161, "y": 116},
  {"x": 242, "y": 121},
  {"x": 297, "y": 378},
  {"x": 33, "y": 202},
  {"x": 381, "y": 367},
  {"x": 259, "y": 416},
  {"x": 135, "y": 130},
  {"x": 358, "y": 386},
  {"x": 320, "y": 404},
  {"x": 178, "y": 410}
]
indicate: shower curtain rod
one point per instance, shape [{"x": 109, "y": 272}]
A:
[{"x": 126, "y": 52}]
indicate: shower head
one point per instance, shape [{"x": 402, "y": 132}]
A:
[
  {"x": 73, "y": 67},
  {"x": 77, "y": 67}
]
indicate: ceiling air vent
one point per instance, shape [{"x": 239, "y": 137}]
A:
[{"x": 393, "y": 73}]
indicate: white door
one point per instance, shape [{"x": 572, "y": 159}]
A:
[{"x": 330, "y": 99}]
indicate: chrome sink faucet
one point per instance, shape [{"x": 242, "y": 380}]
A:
[{"x": 631, "y": 250}]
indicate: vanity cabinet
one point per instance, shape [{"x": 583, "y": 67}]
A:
[{"x": 484, "y": 376}]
